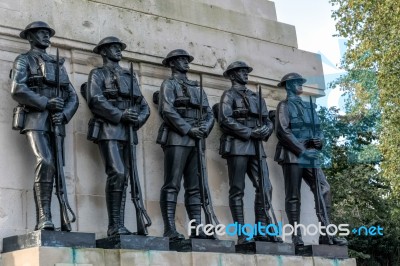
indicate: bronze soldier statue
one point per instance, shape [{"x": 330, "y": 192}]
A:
[
  {"x": 115, "y": 99},
  {"x": 239, "y": 110},
  {"x": 179, "y": 106},
  {"x": 47, "y": 100},
  {"x": 300, "y": 138}
]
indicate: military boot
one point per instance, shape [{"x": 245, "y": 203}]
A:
[
  {"x": 261, "y": 218},
  {"x": 194, "y": 213},
  {"x": 168, "y": 213},
  {"x": 237, "y": 216},
  {"x": 331, "y": 240},
  {"x": 294, "y": 217},
  {"x": 122, "y": 213},
  {"x": 297, "y": 240},
  {"x": 42, "y": 195},
  {"x": 114, "y": 205}
]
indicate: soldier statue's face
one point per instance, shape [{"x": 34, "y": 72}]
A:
[
  {"x": 180, "y": 64},
  {"x": 113, "y": 52},
  {"x": 39, "y": 38},
  {"x": 241, "y": 75},
  {"x": 295, "y": 86}
]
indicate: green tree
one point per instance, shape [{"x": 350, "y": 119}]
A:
[
  {"x": 372, "y": 29},
  {"x": 361, "y": 196},
  {"x": 367, "y": 153}
]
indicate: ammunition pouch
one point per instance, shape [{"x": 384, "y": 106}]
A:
[
  {"x": 298, "y": 126},
  {"x": 304, "y": 133},
  {"x": 110, "y": 94},
  {"x": 38, "y": 84},
  {"x": 19, "y": 114},
  {"x": 120, "y": 103},
  {"x": 251, "y": 123},
  {"x": 162, "y": 134},
  {"x": 94, "y": 128},
  {"x": 156, "y": 96},
  {"x": 49, "y": 92},
  {"x": 240, "y": 113},
  {"x": 215, "y": 110},
  {"x": 49, "y": 70},
  {"x": 35, "y": 81},
  {"x": 188, "y": 113},
  {"x": 225, "y": 144},
  {"x": 182, "y": 102},
  {"x": 256, "y": 115}
]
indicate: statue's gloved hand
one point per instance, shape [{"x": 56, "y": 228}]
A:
[
  {"x": 130, "y": 116},
  {"x": 268, "y": 131},
  {"x": 260, "y": 133},
  {"x": 203, "y": 127},
  {"x": 315, "y": 143},
  {"x": 57, "y": 118},
  {"x": 196, "y": 133},
  {"x": 55, "y": 104},
  {"x": 311, "y": 154}
]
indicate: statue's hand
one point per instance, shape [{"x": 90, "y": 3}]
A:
[
  {"x": 315, "y": 143},
  {"x": 130, "y": 116},
  {"x": 55, "y": 104},
  {"x": 57, "y": 118},
  {"x": 196, "y": 133},
  {"x": 203, "y": 127},
  {"x": 260, "y": 133},
  {"x": 266, "y": 131}
]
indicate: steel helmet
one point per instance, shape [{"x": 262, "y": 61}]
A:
[
  {"x": 291, "y": 76},
  {"x": 176, "y": 53},
  {"x": 106, "y": 41},
  {"x": 236, "y": 65},
  {"x": 36, "y": 25}
]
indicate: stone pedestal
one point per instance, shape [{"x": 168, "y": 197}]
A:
[
  {"x": 50, "y": 256},
  {"x": 49, "y": 239},
  {"x": 134, "y": 242},
  {"x": 54, "y": 256},
  {"x": 268, "y": 248},
  {"x": 326, "y": 251},
  {"x": 203, "y": 245}
]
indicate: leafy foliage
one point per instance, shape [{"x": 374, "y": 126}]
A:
[
  {"x": 361, "y": 196},
  {"x": 365, "y": 142},
  {"x": 372, "y": 29}
]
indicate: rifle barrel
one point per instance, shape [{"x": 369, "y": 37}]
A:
[
  {"x": 201, "y": 98},
  {"x": 260, "y": 105},
  {"x": 58, "y": 73},
  {"x": 60, "y": 177},
  {"x": 321, "y": 207},
  {"x": 142, "y": 218},
  {"x": 205, "y": 195},
  {"x": 264, "y": 194},
  {"x": 312, "y": 117}
]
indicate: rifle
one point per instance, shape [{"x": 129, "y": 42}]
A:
[
  {"x": 265, "y": 198},
  {"x": 61, "y": 189},
  {"x": 142, "y": 218},
  {"x": 205, "y": 195},
  {"x": 321, "y": 212}
]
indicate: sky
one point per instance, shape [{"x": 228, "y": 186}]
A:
[{"x": 314, "y": 29}]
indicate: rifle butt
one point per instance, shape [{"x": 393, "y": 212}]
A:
[
  {"x": 141, "y": 225},
  {"x": 207, "y": 215},
  {"x": 65, "y": 222}
]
